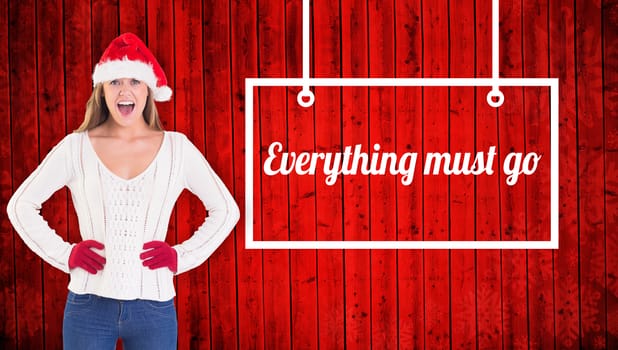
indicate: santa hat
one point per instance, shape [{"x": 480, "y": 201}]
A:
[{"x": 128, "y": 57}]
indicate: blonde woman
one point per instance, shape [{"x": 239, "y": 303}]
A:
[{"x": 125, "y": 174}]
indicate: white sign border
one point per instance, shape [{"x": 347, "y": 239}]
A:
[{"x": 552, "y": 83}]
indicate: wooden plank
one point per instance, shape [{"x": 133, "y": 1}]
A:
[
  {"x": 249, "y": 262},
  {"x": 610, "y": 78},
  {"x": 302, "y": 194},
  {"x": 326, "y": 47},
  {"x": 409, "y": 138},
  {"x": 24, "y": 135},
  {"x": 535, "y": 33},
  {"x": 8, "y": 312},
  {"x": 193, "y": 295},
  {"x": 220, "y": 155},
  {"x": 435, "y": 187},
  {"x": 275, "y": 189},
  {"x": 462, "y": 196},
  {"x": 511, "y": 138},
  {"x": 132, "y": 17},
  {"x": 589, "y": 80},
  {"x": 50, "y": 65},
  {"x": 160, "y": 41},
  {"x": 488, "y": 269},
  {"x": 382, "y": 197},
  {"x": 355, "y": 130},
  {"x": 566, "y": 274},
  {"x": 78, "y": 69},
  {"x": 104, "y": 18}
]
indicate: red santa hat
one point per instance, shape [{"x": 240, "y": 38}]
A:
[{"x": 128, "y": 57}]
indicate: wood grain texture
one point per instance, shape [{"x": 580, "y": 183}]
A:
[
  {"x": 219, "y": 152},
  {"x": 302, "y": 196},
  {"x": 382, "y": 189},
  {"x": 535, "y": 17},
  {"x": 326, "y": 42},
  {"x": 610, "y": 114},
  {"x": 488, "y": 268},
  {"x": 8, "y": 312},
  {"x": 105, "y": 21},
  {"x": 511, "y": 138},
  {"x": 248, "y": 262},
  {"x": 130, "y": 18},
  {"x": 589, "y": 85},
  {"x": 25, "y": 142},
  {"x": 436, "y": 192},
  {"x": 356, "y": 210},
  {"x": 160, "y": 40},
  {"x": 409, "y": 138},
  {"x": 566, "y": 259},
  {"x": 274, "y": 190},
  {"x": 462, "y": 189},
  {"x": 335, "y": 299}
]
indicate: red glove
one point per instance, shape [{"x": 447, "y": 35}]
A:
[
  {"x": 84, "y": 257},
  {"x": 160, "y": 254}
]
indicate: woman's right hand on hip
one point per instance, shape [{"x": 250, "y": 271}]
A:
[{"x": 84, "y": 257}]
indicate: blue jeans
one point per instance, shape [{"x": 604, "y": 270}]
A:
[{"x": 93, "y": 322}]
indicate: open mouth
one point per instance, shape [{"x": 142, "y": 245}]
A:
[{"x": 126, "y": 107}]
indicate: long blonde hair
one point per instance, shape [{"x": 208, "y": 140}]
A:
[{"x": 97, "y": 111}]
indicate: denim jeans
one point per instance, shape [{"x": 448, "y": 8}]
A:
[{"x": 93, "y": 322}]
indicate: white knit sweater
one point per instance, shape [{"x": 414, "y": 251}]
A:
[{"x": 123, "y": 214}]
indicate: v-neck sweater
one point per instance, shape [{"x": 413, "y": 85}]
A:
[{"x": 109, "y": 207}]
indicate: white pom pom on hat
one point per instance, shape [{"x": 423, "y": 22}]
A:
[{"x": 128, "y": 57}]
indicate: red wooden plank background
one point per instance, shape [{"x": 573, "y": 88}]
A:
[{"x": 333, "y": 299}]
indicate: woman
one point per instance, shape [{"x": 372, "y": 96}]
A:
[{"x": 125, "y": 174}]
